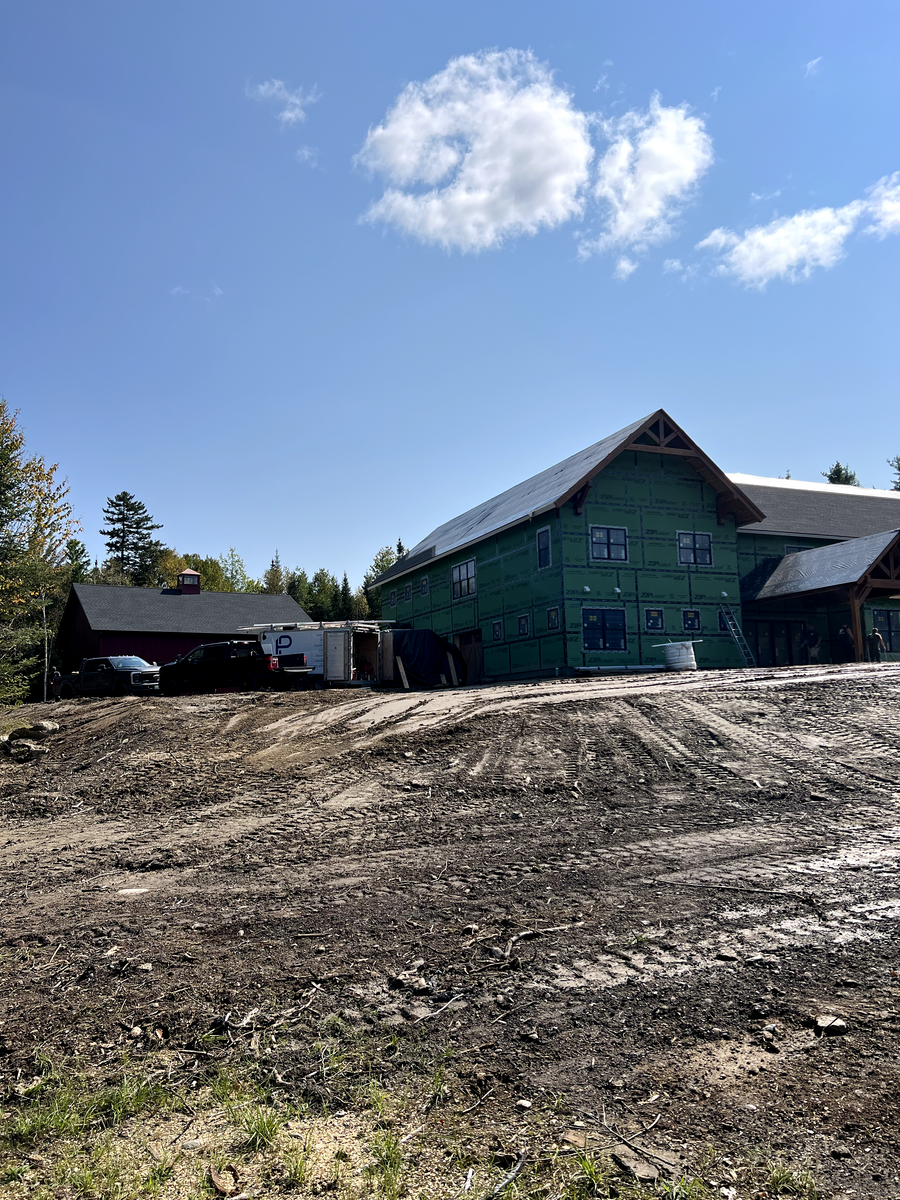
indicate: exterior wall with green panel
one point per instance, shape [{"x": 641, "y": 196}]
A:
[
  {"x": 652, "y": 496},
  {"x": 753, "y": 548}
]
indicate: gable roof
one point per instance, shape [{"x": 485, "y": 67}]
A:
[
  {"x": 827, "y": 510},
  {"x": 822, "y": 569},
  {"x": 656, "y": 433},
  {"x": 150, "y": 610}
]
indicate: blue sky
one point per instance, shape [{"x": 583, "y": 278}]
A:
[{"x": 310, "y": 277}]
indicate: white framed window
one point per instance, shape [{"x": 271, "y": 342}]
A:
[
  {"x": 695, "y": 549},
  {"x": 463, "y": 579},
  {"x": 609, "y": 543},
  {"x": 544, "y": 556}
]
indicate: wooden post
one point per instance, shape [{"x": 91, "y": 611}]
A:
[
  {"x": 856, "y": 625},
  {"x": 402, "y": 673},
  {"x": 452, "y": 665}
]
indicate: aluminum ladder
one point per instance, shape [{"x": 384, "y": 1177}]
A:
[{"x": 737, "y": 634}]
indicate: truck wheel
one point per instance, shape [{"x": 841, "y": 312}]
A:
[
  {"x": 168, "y": 689},
  {"x": 249, "y": 684},
  {"x": 67, "y": 692}
]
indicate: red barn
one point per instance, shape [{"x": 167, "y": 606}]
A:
[{"x": 159, "y": 624}]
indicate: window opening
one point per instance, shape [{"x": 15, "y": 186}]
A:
[
  {"x": 424, "y": 585},
  {"x": 543, "y": 548},
  {"x": 463, "y": 579},
  {"x": 654, "y": 620},
  {"x": 524, "y": 626},
  {"x": 603, "y": 628},
  {"x": 553, "y": 618},
  {"x": 392, "y": 599},
  {"x": 690, "y": 620},
  {"x": 695, "y": 549},
  {"x": 608, "y": 543},
  {"x": 497, "y": 631},
  {"x": 407, "y": 593}
]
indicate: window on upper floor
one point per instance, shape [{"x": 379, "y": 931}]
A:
[
  {"x": 463, "y": 579},
  {"x": 609, "y": 543},
  {"x": 654, "y": 621},
  {"x": 553, "y": 618},
  {"x": 497, "y": 631},
  {"x": 524, "y": 626},
  {"x": 407, "y": 593},
  {"x": 695, "y": 549},
  {"x": 392, "y": 599},
  {"x": 543, "y": 548},
  {"x": 423, "y": 587}
]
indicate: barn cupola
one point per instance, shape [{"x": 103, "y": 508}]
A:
[{"x": 189, "y": 582}]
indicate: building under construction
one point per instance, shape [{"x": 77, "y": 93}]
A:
[{"x": 641, "y": 538}]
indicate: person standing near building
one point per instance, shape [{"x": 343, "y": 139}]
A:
[
  {"x": 812, "y": 645},
  {"x": 846, "y": 645},
  {"x": 876, "y": 645}
]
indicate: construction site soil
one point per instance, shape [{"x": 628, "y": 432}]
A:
[{"x": 668, "y": 902}]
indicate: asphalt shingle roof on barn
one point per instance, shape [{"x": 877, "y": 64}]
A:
[
  {"x": 826, "y": 510},
  {"x": 131, "y": 609}
]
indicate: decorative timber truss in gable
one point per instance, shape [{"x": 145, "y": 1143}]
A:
[{"x": 659, "y": 434}]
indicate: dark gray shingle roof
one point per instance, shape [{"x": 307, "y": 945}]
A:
[
  {"x": 816, "y": 570},
  {"x": 823, "y": 510},
  {"x": 148, "y": 610}
]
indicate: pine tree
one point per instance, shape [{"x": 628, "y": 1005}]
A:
[
  {"x": 838, "y": 473},
  {"x": 78, "y": 560},
  {"x": 273, "y": 580},
  {"x": 297, "y": 587},
  {"x": 386, "y": 557},
  {"x": 129, "y": 541},
  {"x": 324, "y": 595},
  {"x": 235, "y": 573},
  {"x": 345, "y": 600},
  {"x": 895, "y": 464}
]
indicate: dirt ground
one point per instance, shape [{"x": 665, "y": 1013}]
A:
[{"x": 625, "y": 901}]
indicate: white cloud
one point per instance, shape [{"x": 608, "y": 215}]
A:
[
  {"x": 812, "y": 67},
  {"x": 884, "y": 205},
  {"x": 788, "y": 247},
  {"x": 293, "y": 104},
  {"x": 308, "y": 155},
  {"x": 755, "y": 197},
  {"x": 178, "y": 290},
  {"x": 625, "y": 267},
  {"x": 672, "y": 266},
  {"x": 715, "y": 93},
  {"x": 651, "y": 168},
  {"x": 793, "y": 247},
  {"x": 487, "y": 148}
]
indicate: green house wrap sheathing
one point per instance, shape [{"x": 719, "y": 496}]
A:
[
  {"x": 544, "y": 603},
  {"x": 532, "y": 618}
]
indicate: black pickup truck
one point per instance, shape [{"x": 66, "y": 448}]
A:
[
  {"x": 117, "y": 675},
  {"x": 227, "y": 665}
]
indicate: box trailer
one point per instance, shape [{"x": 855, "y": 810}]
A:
[{"x": 337, "y": 652}]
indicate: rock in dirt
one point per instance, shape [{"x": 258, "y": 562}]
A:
[
  {"x": 831, "y": 1026},
  {"x": 24, "y": 750},
  {"x": 725, "y": 955}
]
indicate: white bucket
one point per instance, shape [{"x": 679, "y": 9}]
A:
[{"x": 680, "y": 656}]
